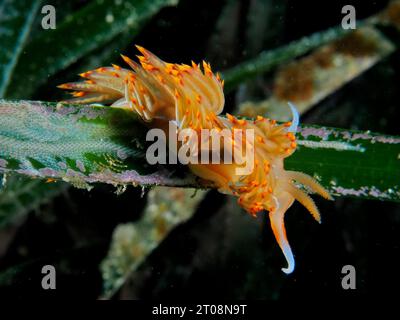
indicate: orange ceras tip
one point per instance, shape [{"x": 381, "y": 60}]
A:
[
  {"x": 129, "y": 61},
  {"x": 64, "y": 86},
  {"x": 85, "y": 74},
  {"x": 143, "y": 51},
  {"x": 287, "y": 124},
  {"x": 291, "y": 136},
  {"x": 231, "y": 118},
  {"x": 194, "y": 65},
  {"x": 142, "y": 59},
  {"x": 79, "y": 94},
  {"x": 193, "y": 97}
]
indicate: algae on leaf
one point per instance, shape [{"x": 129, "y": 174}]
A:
[
  {"x": 85, "y": 144},
  {"x": 78, "y": 144}
]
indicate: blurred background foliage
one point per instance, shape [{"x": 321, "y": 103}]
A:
[{"x": 175, "y": 243}]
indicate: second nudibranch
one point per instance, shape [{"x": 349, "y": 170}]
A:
[{"x": 192, "y": 96}]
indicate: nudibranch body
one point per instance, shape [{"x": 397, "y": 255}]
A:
[
  {"x": 156, "y": 90},
  {"x": 192, "y": 97}
]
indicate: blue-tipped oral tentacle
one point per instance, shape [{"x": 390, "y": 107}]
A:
[{"x": 295, "y": 118}]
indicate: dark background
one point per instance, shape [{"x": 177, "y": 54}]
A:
[{"x": 223, "y": 253}]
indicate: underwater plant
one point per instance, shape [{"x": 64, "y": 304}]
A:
[{"x": 97, "y": 141}]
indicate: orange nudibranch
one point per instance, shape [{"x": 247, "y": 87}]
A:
[{"x": 192, "y": 96}]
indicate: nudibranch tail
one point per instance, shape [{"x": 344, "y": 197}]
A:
[{"x": 276, "y": 216}]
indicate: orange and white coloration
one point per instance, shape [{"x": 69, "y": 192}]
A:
[{"x": 192, "y": 97}]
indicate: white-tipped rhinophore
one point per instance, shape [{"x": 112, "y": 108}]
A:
[{"x": 295, "y": 118}]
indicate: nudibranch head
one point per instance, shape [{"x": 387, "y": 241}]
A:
[
  {"x": 192, "y": 97},
  {"x": 268, "y": 186}
]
